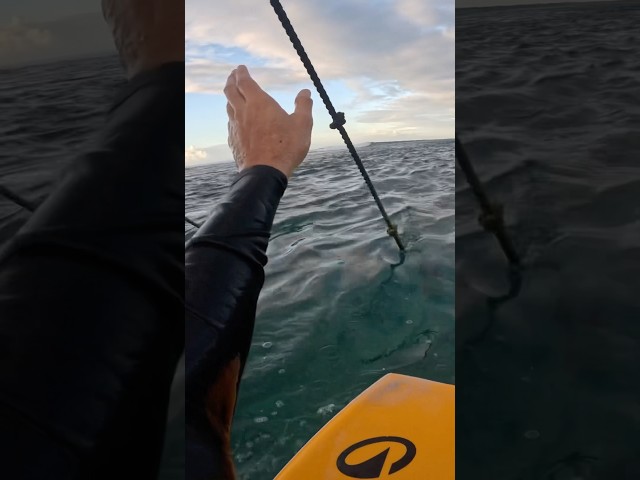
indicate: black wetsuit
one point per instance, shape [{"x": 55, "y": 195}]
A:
[
  {"x": 91, "y": 300},
  {"x": 91, "y": 297},
  {"x": 224, "y": 274}
]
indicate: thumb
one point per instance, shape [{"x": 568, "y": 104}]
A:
[{"x": 304, "y": 104}]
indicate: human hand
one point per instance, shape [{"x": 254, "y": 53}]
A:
[
  {"x": 147, "y": 33},
  {"x": 260, "y": 131}
]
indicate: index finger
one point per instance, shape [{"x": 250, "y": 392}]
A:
[{"x": 246, "y": 84}]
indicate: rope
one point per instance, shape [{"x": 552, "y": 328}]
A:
[
  {"x": 27, "y": 205},
  {"x": 337, "y": 117},
  {"x": 17, "y": 199},
  {"x": 491, "y": 218},
  {"x": 192, "y": 222}
]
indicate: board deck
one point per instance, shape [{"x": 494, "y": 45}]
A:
[{"x": 400, "y": 428}]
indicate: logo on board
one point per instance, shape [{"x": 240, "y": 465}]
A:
[{"x": 374, "y": 466}]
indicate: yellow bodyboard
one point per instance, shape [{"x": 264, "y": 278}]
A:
[{"x": 400, "y": 428}]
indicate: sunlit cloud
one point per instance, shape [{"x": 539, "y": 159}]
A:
[
  {"x": 26, "y": 42},
  {"x": 389, "y": 64},
  {"x": 18, "y": 37},
  {"x": 213, "y": 154},
  {"x": 194, "y": 155}
]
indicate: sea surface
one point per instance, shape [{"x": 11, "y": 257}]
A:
[
  {"x": 548, "y": 106},
  {"x": 49, "y": 114},
  {"x": 340, "y": 308}
]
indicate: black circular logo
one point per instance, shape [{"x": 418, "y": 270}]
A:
[{"x": 373, "y": 467}]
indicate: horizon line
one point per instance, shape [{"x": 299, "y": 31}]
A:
[{"x": 199, "y": 164}]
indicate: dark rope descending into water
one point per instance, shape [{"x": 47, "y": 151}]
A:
[
  {"x": 192, "y": 222},
  {"x": 491, "y": 217},
  {"x": 31, "y": 207},
  {"x": 338, "y": 117},
  {"x": 17, "y": 199}
]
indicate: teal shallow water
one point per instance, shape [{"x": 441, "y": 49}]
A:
[
  {"x": 337, "y": 312},
  {"x": 334, "y": 315}
]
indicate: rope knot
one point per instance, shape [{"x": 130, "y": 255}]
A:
[{"x": 338, "y": 120}]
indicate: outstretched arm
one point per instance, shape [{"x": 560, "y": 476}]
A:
[
  {"x": 224, "y": 266},
  {"x": 91, "y": 288}
]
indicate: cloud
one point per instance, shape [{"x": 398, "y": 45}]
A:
[
  {"x": 18, "y": 37},
  {"x": 507, "y": 3},
  {"x": 69, "y": 37},
  {"x": 194, "y": 155},
  {"x": 380, "y": 40},
  {"x": 214, "y": 154},
  {"x": 413, "y": 108},
  {"x": 209, "y": 75},
  {"x": 393, "y": 55}
]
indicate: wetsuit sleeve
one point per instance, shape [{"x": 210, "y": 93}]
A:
[
  {"x": 91, "y": 297},
  {"x": 224, "y": 274}
]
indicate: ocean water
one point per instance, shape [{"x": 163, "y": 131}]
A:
[
  {"x": 339, "y": 309},
  {"x": 548, "y": 105},
  {"x": 35, "y": 149}
]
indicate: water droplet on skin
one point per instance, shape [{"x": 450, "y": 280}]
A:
[
  {"x": 261, "y": 419},
  {"x": 281, "y": 371},
  {"x": 409, "y": 322},
  {"x": 532, "y": 434},
  {"x": 267, "y": 345},
  {"x": 279, "y": 403},
  {"x": 273, "y": 414}
]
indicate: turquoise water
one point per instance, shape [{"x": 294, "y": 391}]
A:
[
  {"x": 338, "y": 310},
  {"x": 547, "y": 104}
]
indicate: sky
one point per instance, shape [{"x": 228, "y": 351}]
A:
[
  {"x": 35, "y": 31},
  {"x": 388, "y": 64},
  {"x": 47, "y": 10},
  {"x": 498, "y": 3}
]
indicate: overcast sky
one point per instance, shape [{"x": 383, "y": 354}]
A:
[
  {"x": 388, "y": 64},
  {"x": 498, "y": 3},
  {"x": 34, "y": 31},
  {"x": 46, "y": 10}
]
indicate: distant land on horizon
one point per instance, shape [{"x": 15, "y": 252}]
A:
[
  {"x": 220, "y": 154},
  {"x": 51, "y": 62}
]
